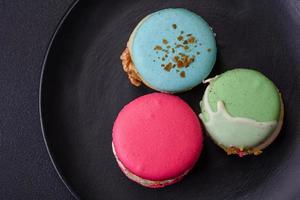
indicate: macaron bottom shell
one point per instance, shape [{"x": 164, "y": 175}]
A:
[{"x": 145, "y": 182}]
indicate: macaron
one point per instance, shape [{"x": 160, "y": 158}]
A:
[
  {"x": 242, "y": 111},
  {"x": 171, "y": 50},
  {"x": 157, "y": 139}
]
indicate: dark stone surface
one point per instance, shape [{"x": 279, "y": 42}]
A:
[{"x": 26, "y": 27}]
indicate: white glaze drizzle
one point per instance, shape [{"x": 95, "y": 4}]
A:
[{"x": 233, "y": 131}]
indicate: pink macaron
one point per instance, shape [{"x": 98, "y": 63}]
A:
[{"x": 157, "y": 139}]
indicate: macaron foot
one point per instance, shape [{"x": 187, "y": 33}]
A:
[{"x": 241, "y": 152}]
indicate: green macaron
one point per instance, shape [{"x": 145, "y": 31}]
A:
[{"x": 242, "y": 111}]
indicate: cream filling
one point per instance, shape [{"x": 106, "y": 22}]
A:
[
  {"x": 142, "y": 181},
  {"x": 130, "y": 69}
]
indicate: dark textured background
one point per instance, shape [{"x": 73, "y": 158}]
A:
[{"x": 26, "y": 27}]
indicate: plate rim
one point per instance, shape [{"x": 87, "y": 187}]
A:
[{"x": 41, "y": 81}]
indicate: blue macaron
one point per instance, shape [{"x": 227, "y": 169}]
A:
[{"x": 171, "y": 50}]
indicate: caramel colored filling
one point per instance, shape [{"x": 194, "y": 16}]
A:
[{"x": 129, "y": 68}]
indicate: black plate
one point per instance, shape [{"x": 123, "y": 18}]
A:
[{"x": 83, "y": 88}]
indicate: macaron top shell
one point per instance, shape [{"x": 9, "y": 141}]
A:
[
  {"x": 173, "y": 50},
  {"x": 246, "y": 93},
  {"x": 157, "y": 137}
]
